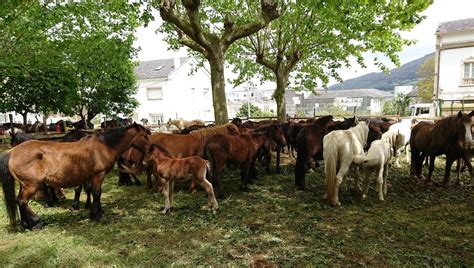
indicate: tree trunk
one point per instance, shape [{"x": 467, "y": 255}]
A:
[
  {"x": 83, "y": 118},
  {"x": 45, "y": 122},
  {"x": 279, "y": 95},
  {"x": 25, "y": 119},
  {"x": 219, "y": 99}
]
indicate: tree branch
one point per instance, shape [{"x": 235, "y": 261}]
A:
[
  {"x": 167, "y": 12},
  {"x": 186, "y": 41},
  {"x": 266, "y": 62},
  {"x": 268, "y": 13}
]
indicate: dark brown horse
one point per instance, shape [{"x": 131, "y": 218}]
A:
[
  {"x": 277, "y": 142},
  {"x": 450, "y": 136},
  {"x": 64, "y": 165},
  {"x": 240, "y": 149}
]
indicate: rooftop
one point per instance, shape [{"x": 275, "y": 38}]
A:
[
  {"x": 157, "y": 68},
  {"x": 455, "y": 26}
]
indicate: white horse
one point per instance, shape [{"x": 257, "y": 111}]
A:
[
  {"x": 339, "y": 148},
  {"x": 403, "y": 130},
  {"x": 397, "y": 141},
  {"x": 376, "y": 159}
]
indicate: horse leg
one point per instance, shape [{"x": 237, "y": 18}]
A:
[
  {"x": 96, "y": 211},
  {"x": 431, "y": 169},
  {"x": 166, "y": 194},
  {"x": 88, "y": 188},
  {"x": 171, "y": 194},
  {"x": 48, "y": 198},
  {"x": 136, "y": 180},
  {"x": 244, "y": 174},
  {"x": 29, "y": 219},
  {"x": 367, "y": 173},
  {"x": 385, "y": 177},
  {"x": 467, "y": 162},
  {"x": 267, "y": 160},
  {"x": 77, "y": 196},
  {"x": 278, "y": 156},
  {"x": 149, "y": 183},
  {"x": 216, "y": 180},
  {"x": 253, "y": 172},
  {"x": 339, "y": 179},
  {"x": 449, "y": 163},
  {"x": 211, "y": 199},
  {"x": 380, "y": 182}
]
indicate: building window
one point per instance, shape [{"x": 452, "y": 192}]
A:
[
  {"x": 155, "y": 93},
  {"x": 468, "y": 74},
  {"x": 205, "y": 91},
  {"x": 156, "y": 119}
]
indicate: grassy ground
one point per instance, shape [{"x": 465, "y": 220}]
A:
[{"x": 272, "y": 224}]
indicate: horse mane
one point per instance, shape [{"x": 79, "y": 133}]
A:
[
  {"x": 224, "y": 129},
  {"x": 161, "y": 148},
  {"x": 114, "y": 136}
]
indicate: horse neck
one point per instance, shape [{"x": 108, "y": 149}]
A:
[
  {"x": 259, "y": 138},
  {"x": 361, "y": 134},
  {"x": 126, "y": 141}
]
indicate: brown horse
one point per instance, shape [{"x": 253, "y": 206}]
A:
[
  {"x": 240, "y": 149},
  {"x": 64, "y": 165},
  {"x": 450, "y": 136},
  {"x": 189, "y": 144},
  {"x": 274, "y": 144},
  {"x": 167, "y": 170}
]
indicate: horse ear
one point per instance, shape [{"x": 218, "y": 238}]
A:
[
  {"x": 471, "y": 113},
  {"x": 459, "y": 114}
]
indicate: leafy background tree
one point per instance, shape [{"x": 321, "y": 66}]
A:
[
  {"x": 209, "y": 28},
  {"x": 313, "y": 39},
  {"x": 426, "y": 83},
  {"x": 74, "y": 58},
  {"x": 255, "y": 111}
]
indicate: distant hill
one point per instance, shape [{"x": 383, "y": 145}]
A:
[{"x": 404, "y": 75}]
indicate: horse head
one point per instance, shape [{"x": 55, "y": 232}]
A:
[
  {"x": 464, "y": 123},
  {"x": 140, "y": 141},
  {"x": 277, "y": 134}
]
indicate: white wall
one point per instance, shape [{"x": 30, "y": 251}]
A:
[
  {"x": 459, "y": 37},
  {"x": 451, "y": 73},
  {"x": 184, "y": 96}
]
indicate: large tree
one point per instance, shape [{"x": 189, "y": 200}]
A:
[
  {"x": 313, "y": 39},
  {"x": 426, "y": 83},
  {"x": 72, "y": 57},
  {"x": 210, "y": 28}
]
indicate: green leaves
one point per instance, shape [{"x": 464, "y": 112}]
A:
[{"x": 69, "y": 57}]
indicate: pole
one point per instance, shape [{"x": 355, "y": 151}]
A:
[{"x": 248, "y": 103}]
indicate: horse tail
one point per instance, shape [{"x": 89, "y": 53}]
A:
[
  {"x": 8, "y": 184},
  {"x": 211, "y": 164},
  {"x": 330, "y": 154}
]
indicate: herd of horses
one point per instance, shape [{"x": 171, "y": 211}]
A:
[{"x": 82, "y": 159}]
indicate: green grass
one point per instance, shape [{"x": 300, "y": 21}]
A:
[{"x": 272, "y": 224}]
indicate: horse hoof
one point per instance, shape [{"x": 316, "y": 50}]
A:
[
  {"x": 72, "y": 208},
  {"x": 37, "y": 226},
  {"x": 87, "y": 205},
  {"x": 244, "y": 188}
]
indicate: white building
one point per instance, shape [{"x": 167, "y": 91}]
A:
[
  {"x": 170, "y": 89},
  {"x": 260, "y": 96},
  {"x": 454, "y": 64}
]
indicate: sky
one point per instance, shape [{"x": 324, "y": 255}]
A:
[{"x": 153, "y": 46}]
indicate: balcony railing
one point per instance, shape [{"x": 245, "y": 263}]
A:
[{"x": 467, "y": 82}]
